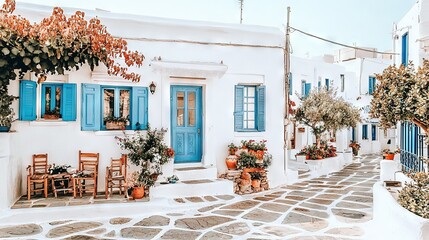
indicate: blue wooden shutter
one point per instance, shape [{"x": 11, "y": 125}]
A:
[
  {"x": 239, "y": 108},
  {"x": 307, "y": 88},
  {"x": 261, "y": 108},
  {"x": 404, "y": 54},
  {"x": 290, "y": 84},
  {"x": 68, "y": 102},
  {"x": 373, "y": 132},
  {"x": 371, "y": 85},
  {"x": 353, "y": 134},
  {"x": 27, "y": 100},
  {"x": 139, "y": 108},
  {"x": 327, "y": 84},
  {"x": 91, "y": 110},
  {"x": 364, "y": 131}
]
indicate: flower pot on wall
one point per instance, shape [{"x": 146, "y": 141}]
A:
[
  {"x": 115, "y": 125},
  {"x": 231, "y": 162},
  {"x": 51, "y": 117},
  {"x": 390, "y": 156},
  {"x": 138, "y": 192},
  {"x": 4, "y": 129}
]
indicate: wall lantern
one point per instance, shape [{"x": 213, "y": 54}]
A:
[{"x": 152, "y": 87}]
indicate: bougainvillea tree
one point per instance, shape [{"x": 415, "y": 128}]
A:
[
  {"x": 323, "y": 111},
  {"x": 402, "y": 94},
  {"x": 57, "y": 44}
]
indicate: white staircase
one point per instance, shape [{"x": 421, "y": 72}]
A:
[{"x": 194, "y": 181}]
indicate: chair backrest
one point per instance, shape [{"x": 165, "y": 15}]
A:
[
  {"x": 40, "y": 163},
  {"x": 88, "y": 161},
  {"x": 118, "y": 166}
]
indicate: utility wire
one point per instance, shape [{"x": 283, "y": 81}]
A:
[{"x": 341, "y": 44}]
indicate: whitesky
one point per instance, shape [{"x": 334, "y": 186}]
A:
[{"x": 366, "y": 23}]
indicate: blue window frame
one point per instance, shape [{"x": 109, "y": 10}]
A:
[
  {"x": 305, "y": 88},
  {"x": 99, "y": 102},
  {"x": 290, "y": 84},
  {"x": 353, "y": 134},
  {"x": 373, "y": 132},
  {"x": 249, "y": 110},
  {"x": 364, "y": 132},
  {"x": 327, "y": 83},
  {"x": 56, "y": 98},
  {"x": 372, "y": 81},
  {"x": 404, "y": 52}
]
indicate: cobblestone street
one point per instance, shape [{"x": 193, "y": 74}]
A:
[{"x": 337, "y": 206}]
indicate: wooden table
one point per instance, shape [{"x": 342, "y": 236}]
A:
[{"x": 63, "y": 180}]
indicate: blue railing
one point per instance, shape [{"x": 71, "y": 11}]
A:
[{"x": 412, "y": 162}]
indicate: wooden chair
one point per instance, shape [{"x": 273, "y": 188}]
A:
[
  {"x": 38, "y": 174},
  {"x": 88, "y": 165},
  {"x": 116, "y": 175}
]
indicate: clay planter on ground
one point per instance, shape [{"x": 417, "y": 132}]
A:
[
  {"x": 231, "y": 162},
  {"x": 256, "y": 183},
  {"x": 390, "y": 156},
  {"x": 138, "y": 192}
]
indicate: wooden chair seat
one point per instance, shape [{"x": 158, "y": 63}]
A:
[{"x": 38, "y": 177}]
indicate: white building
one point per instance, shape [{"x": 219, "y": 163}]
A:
[
  {"x": 411, "y": 41},
  {"x": 352, "y": 74},
  {"x": 202, "y": 72}
]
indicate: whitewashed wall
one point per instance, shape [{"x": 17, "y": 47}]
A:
[{"x": 63, "y": 140}]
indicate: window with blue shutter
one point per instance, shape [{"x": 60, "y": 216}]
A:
[
  {"x": 290, "y": 84},
  {"x": 404, "y": 52},
  {"x": 249, "y": 110},
  {"x": 364, "y": 132},
  {"x": 27, "y": 100},
  {"x": 139, "y": 117},
  {"x": 319, "y": 85},
  {"x": 307, "y": 89},
  {"x": 342, "y": 78},
  {"x": 69, "y": 102},
  {"x": 91, "y": 111},
  {"x": 102, "y": 104},
  {"x": 371, "y": 84},
  {"x": 327, "y": 84},
  {"x": 239, "y": 108},
  {"x": 353, "y": 134},
  {"x": 373, "y": 132},
  {"x": 260, "y": 124}
]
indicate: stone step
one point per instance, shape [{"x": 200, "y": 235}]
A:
[
  {"x": 195, "y": 173},
  {"x": 189, "y": 188}
]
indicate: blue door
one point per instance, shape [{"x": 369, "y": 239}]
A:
[{"x": 186, "y": 123}]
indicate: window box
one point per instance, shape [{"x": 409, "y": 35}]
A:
[
  {"x": 115, "y": 125},
  {"x": 51, "y": 117}
]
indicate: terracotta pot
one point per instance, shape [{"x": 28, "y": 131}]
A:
[
  {"x": 50, "y": 117},
  {"x": 256, "y": 183},
  {"x": 138, "y": 192},
  {"x": 115, "y": 125},
  {"x": 307, "y": 157},
  {"x": 231, "y": 162},
  {"x": 390, "y": 156},
  {"x": 249, "y": 170}
]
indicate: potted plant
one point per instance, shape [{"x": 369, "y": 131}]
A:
[
  {"x": 173, "y": 179},
  {"x": 135, "y": 186},
  {"x": 355, "y": 147},
  {"x": 253, "y": 156},
  {"x": 6, "y": 112},
  {"x": 115, "y": 123},
  {"x": 52, "y": 115},
  {"x": 231, "y": 159},
  {"x": 149, "y": 152},
  {"x": 232, "y": 149}
]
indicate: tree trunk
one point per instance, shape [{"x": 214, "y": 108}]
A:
[
  {"x": 317, "y": 140},
  {"x": 421, "y": 124}
]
